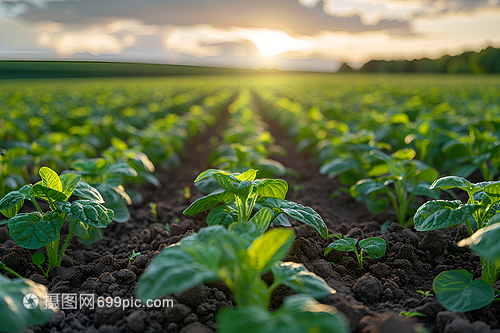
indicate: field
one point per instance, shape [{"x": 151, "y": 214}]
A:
[{"x": 385, "y": 187}]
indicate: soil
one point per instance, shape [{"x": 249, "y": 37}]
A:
[{"x": 371, "y": 297}]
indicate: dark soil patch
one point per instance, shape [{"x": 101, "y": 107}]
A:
[{"x": 371, "y": 296}]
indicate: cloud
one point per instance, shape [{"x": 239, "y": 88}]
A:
[{"x": 275, "y": 14}]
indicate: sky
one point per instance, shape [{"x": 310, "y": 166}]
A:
[{"x": 282, "y": 34}]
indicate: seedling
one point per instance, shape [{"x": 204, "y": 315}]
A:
[
  {"x": 424, "y": 293},
  {"x": 456, "y": 289},
  {"x": 407, "y": 314},
  {"x": 152, "y": 205},
  {"x": 108, "y": 179},
  {"x": 240, "y": 255},
  {"x": 408, "y": 178},
  {"x": 132, "y": 257},
  {"x": 37, "y": 229},
  {"x": 375, "y": 247},
  {"x": 240, "y": 194},
  {"x": 38, "y": 259}
]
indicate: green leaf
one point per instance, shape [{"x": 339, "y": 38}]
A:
[
  {"x": 374, "y": 246},
  {"x": 381, "y": 156},
  {"x": 367, "y": 186},
  {"x": 298, "y": 314},
  {"x": 86, "y": 191},
  {"x": 248, "y": 175},
  {"x": 377, "y": 206},
  {"x": 209, "y": 173},
  {"x": 16, "y": 317},
  {"x": 300, "y": 213},
  {"x": 69, "y": 182},
  {"x": 457, "y": 292},
  {"x": 262, "y": 219},
  {"x": 404, "y": 154},
  {"x": 485, "y": 243},
  {"x": 297, "y": 277},
  {"x": 121, "y": 168},
  {"x": 337, "y": 166},
  {"x": 150, "y": 178},
  {"x": 269, "y": 248},
  {"x": 209, "y": 201},
  {"x": 12, "y": 211},
  {"x": 46, "y": 193},
  {"x": 273, "y": 188},
  {"x": 38, "y": 258},
  {"x": 222, "y": 215},
  {"x": 95, "y": 234},
  {"x": 493, "y": 191},
  {"x": 27, "y": 191},
  {"x": 11, "y": 199},
  {"x": 87, "y": 211},
  {"x": 448, "y": 182},
  {"x": 235, "y": 186},
  {"x": 33, "y": 231},
  {"x": 439, "y": 214},
  {"x": 81, "y": 229},
  {"x": 121, "y": 213},
  {"x": 422, "y": 189},
  {"x": 179, "y": 268},
  {"x": 344, "y": 244},
  {"x": 89, "y": 164},
  {"x": 50, "y": 179}
]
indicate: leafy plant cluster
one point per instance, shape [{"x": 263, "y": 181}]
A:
[
  {"x": 246, "y": 199},
  {"x": 40, "y": 228},
  {"x": 245, "y": 141},
  {"x": 456, "y": 289},
  {"x": 348, "y": 127},
  {"x": 238, "y": 248}
]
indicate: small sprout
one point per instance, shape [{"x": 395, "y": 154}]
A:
[
  {"x": 38, "y": 259},
  {"x": 334, "y": 264},
  {"x": 167, "y": 227},
  {"x": 407, "y": 314},
  {"x": 424, "y": 293},
  {"x": 451, "y": 256},
  {"x": 375, "y": 247},
  {"x": 296, "y": 189},
  {"x": 152, "y": 205},
  {"x": 338, "y": 236},
  {"x": 132, "y": 257},
  {"x": 187, "y": 193}
]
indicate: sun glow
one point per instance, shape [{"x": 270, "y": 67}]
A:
[{"x": 271, "y": 43}]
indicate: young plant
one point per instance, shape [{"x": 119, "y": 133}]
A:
[
  {"x": 456, "y": 289},
  {"x": 37, "y": 229},
  {"x": 108, "y": 179},
  {"x": 401, "y": 179},
  {"x": 13, "y": 171},
  {"x": 425, "y": 294},
  {"x": 21, "y": 304},
  {"x": 132, "y": 256},
  {"x": 240, "y": 194},
  {"x": 375, "y": 247},
  {"x": 240, "y": 255},
  {"x": 152, "y": 206}
]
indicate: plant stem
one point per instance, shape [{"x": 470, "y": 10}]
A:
[
  {"x": 70, "y": 233},
  {"x": 33, "y": 200},
  {"x": 12, "y": 271}
]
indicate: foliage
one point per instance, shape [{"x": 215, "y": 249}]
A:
[
  {"x": 375, "y": 247},
  {"x": 408, "y": 178},
  {"x": 38, "y": 229},
  {"x": 15, "y": 316},
  {"x": 456, "y": 289},
  {"x": 241, "y": 193},
  {"x": 240, "y": 255}
]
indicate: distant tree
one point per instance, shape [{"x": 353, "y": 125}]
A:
[{"x": 345, "y": 68}]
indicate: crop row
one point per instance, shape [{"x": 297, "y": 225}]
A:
[{"x": 390, "y": 148}]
